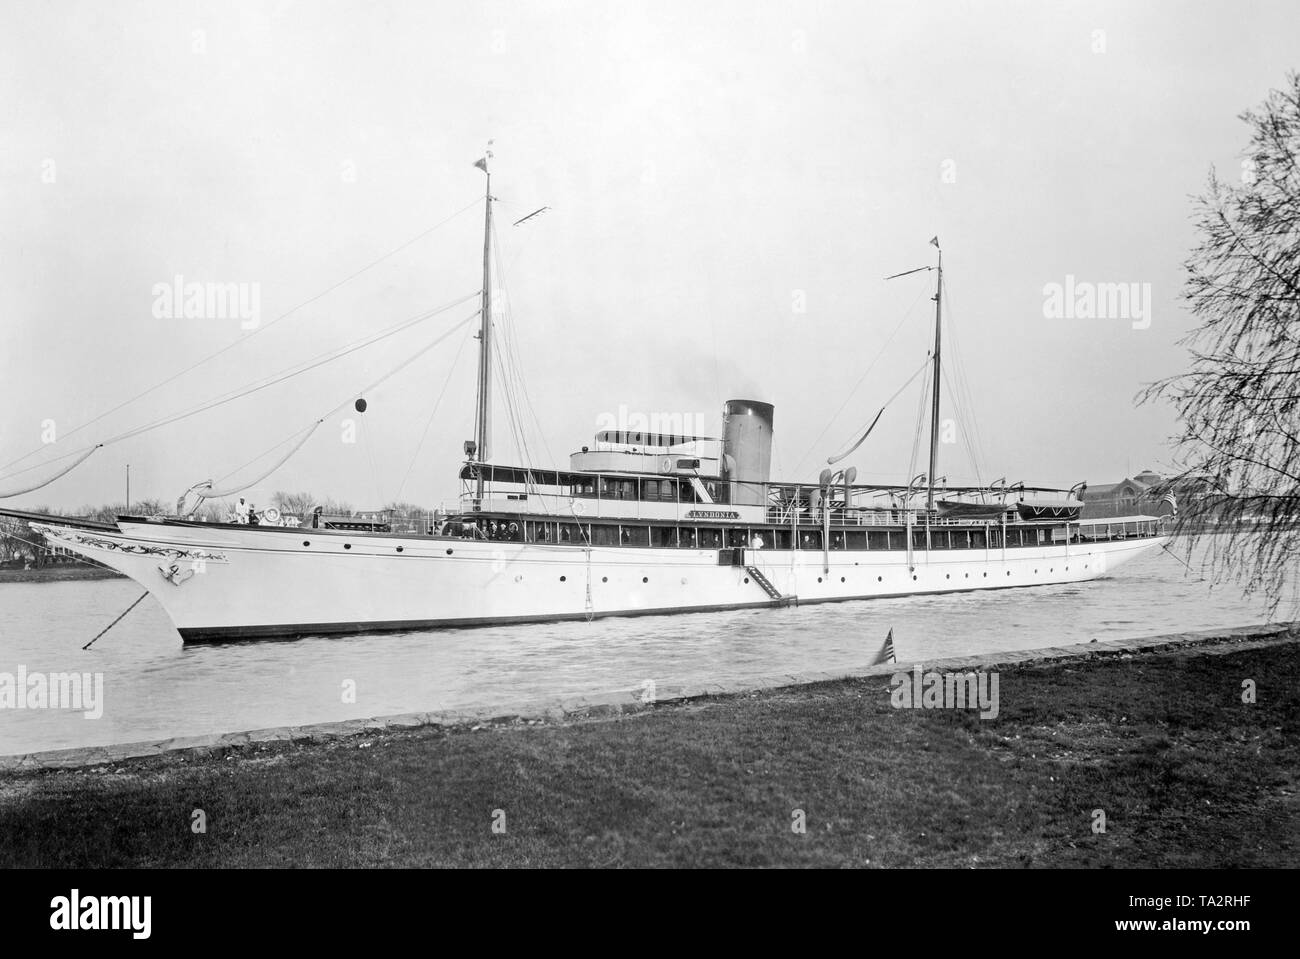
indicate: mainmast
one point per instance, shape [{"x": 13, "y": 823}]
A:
[
  {"x": 483, "y": 410},
  {"x": 934, "y": 410}
]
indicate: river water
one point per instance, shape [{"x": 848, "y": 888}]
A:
[{"x": 156, "y": 688}]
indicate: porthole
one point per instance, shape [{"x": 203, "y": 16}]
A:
[
  {"x": 1008, "y": 572},
  {"x": 880, "y": 579},
  {"x": 563, "y": 578},
  {"x": 986, "y": 575},
  {"x": 448, "y": 552},
  {"x": 819, "y": 579},
  {"x": 968, "y": 576},
  {"x": 604, "y": 579},
  {"x": 645, "y": 579},
  {"x": 842, "y": 579},
  {"x": 913, "y": 577},
  {"x": 306, "y": 542},
  {"x": 400, "y": 548},
  {"x": 947, "y": 575},
  {"x": 347, "y": 545},
  {"x": 746, "y": 579}
]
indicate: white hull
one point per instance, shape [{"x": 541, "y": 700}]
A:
[{"x": 247, "y": 582}]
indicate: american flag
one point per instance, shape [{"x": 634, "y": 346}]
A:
[{"x": 886, "y": 654}]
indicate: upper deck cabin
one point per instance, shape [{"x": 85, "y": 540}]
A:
[
  {"x": 680, "y": 495},
  {"x": 660, "y": 481}
]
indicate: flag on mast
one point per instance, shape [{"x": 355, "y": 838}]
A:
[
  {"x": 481, "y": 163},
  {"x": 886, "y": 654},
  {"x": 934, "y": 240}
]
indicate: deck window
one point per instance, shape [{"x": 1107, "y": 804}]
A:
[
  {"x": 664, "y": 536},
  {"x": 810, "y": 539},
  {"x": 918, "y": 538},
  {"x": 539, "y": 532},
  {"x": 636, "y": 535},
  {"x": 604, "y": 535},
  {"x": 710, "y": 539},
  {"x": 877, "y": 539},
  {"x": 857, "y": 539}
]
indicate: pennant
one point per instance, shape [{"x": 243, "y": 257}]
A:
[
  {"x": 482, "y": 164},
  {"x": 934, "y": 240}
]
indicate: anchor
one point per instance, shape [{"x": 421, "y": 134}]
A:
[{"x": 173, "y": 573}]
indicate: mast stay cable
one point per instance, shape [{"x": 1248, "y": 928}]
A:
[
  {"x": 368, "y": 389},
  {"x": 67, "y": 469},
  {"x": 244, "y": 339},
  {"x": 832, "y": 460},
  {"x": 906, "y": 315},
  {"x": 258, "y": 385}
]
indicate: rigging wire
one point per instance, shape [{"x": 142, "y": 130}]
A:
[
  {"x": 244, "y": 339},
  {"x": 221, "y": 494},
  {"x": 265, "y": 452},
  {"x": 513, "y": 417},
  {"x": 515, "y": 362},
  {"x": 975, "y": 436},
  {"x": 832, "y": 460},
  {"x": 920, "y": 421},
  {"x": 906, "y": 315},
  {"x": 258, "y": 385},
  {"x": 291, "y": 372},
  {"x": 966, "y": 430},
  {"x": 428, "y": 423},
  {"x": 47, "y": 482},
  {"x": 368, "y": 389}
]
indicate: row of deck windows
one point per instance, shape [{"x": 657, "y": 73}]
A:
[
  {"x": 696, "y": 537},
  {"x": 649, "y": 490}
]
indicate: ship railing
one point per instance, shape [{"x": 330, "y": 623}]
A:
[
  {"x": 418, "y": 522},
  {"x": 860, "y": 516}
]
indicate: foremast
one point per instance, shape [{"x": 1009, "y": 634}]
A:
[{"x": 483, "y": 407}]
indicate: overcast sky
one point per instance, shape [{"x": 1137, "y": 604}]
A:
[{"x": 729, "y": 183}]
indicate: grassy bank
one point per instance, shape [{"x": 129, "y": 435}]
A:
[
  {"x": 59, "y": 573},
  {"x": 1187, "y": 774}
]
